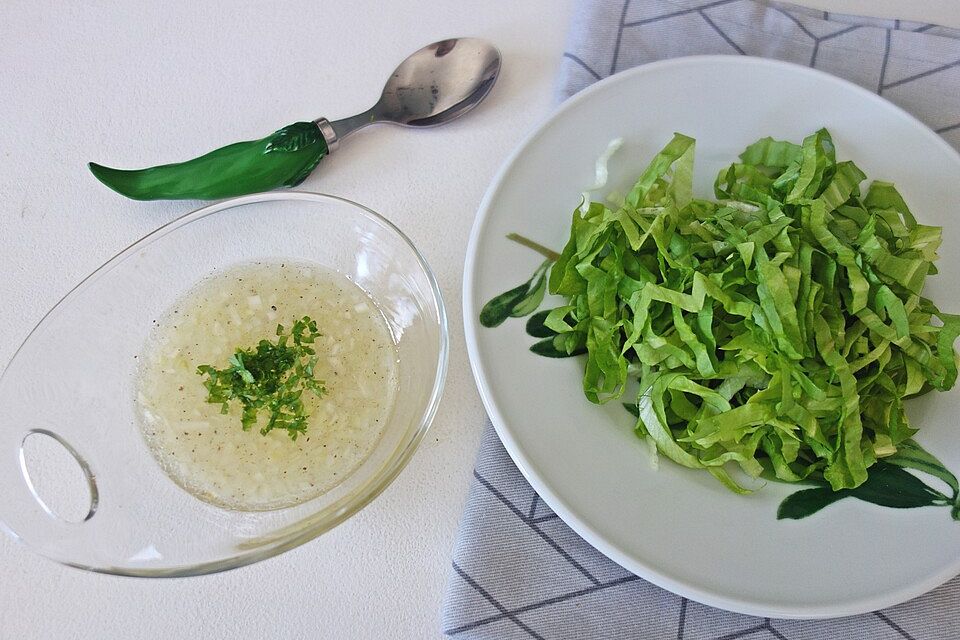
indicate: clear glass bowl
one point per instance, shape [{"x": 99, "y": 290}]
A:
[{"x": 73, "y": 380}]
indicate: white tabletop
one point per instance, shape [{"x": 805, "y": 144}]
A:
[{"x": 130, "y": 86}]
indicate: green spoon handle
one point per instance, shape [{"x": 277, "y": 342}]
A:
[{"x": 282, "y": 159}]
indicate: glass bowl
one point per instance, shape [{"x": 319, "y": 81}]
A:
[{"x": 72, "y": 384}]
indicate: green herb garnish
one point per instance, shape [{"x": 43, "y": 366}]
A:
[{"x": 272, "y": 376}]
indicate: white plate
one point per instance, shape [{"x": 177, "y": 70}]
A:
[{"x": 679, "y": 528}]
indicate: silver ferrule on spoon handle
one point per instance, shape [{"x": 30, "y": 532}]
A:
[
  {"x": 329, "y": 135},
  {"x": 334, "y": 132}
]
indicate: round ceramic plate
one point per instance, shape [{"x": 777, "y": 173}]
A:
[{"x": 676, "y": 527}]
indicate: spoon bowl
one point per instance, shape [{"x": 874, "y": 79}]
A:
[{"x": 434, "y": 85}]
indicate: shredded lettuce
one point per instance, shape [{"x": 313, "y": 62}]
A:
[
  {"x": 601, "y": 172},
  {"x": 780, "y": 326}
]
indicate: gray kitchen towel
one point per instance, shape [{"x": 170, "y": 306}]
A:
[
  {"x": 914, "y": 65},
  {"x": 518, "y": 571}
]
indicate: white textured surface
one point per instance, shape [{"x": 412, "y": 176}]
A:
[
  {"x": 129, "y": 85},
  {"x": 945, "y": 12},
  {"x": 132, "y": 86}
]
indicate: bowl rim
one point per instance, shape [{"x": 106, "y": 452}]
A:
[{"x": 311, "y": 526}]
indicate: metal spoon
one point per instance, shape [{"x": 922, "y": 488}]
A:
[{"x": 434, "y": 85}]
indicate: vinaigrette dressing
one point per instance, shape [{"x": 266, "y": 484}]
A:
[{"x": 208, "y": 453}]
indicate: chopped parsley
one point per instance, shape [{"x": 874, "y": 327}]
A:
[{"x": 270, "y": 377}]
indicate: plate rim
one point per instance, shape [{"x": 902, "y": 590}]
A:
[{"x": 527, "y": 469}]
